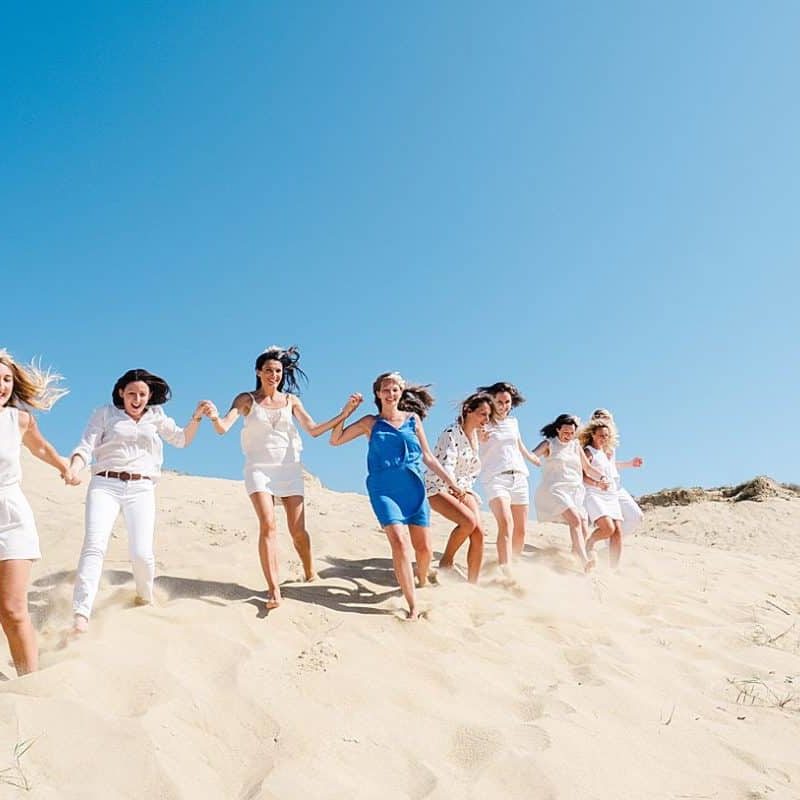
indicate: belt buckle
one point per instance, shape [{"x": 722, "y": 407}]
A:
[{"x": 125, "y": 476}]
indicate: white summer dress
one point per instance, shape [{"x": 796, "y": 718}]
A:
[
  {"x": 602, "y": 502},
  {"x": 561, "y": 485},
  {"x": 18, "y": 536},
  {"x": 631, "y": 513},
  {"x": 272, "y": 446}
]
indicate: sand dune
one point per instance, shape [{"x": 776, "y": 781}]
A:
[{"x": 678, "y": 677}]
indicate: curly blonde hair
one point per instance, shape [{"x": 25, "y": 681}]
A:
[
  {"x": 586, "y": 433},
  {"x": 33, "y": 386},
  {"x": 606, "y": 416}
]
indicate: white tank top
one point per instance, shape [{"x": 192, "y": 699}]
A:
[
  {"x": 563, "y": 465},
  {"x": 500, "y": 452},
  {"x": 269, "y": 436},
  {"x": 601, "y": 462},
  {"x": 10, "y": 441}
]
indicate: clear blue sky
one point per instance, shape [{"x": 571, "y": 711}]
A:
[{"x": 598, "y": 202}]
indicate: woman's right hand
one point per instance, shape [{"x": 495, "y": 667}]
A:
[{"x": 353, "y": 402}]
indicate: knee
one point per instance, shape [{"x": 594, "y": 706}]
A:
[
  {"x": 13, "y": 612},
  {"x": 267, "y": 529},
  {"x": 400, "y": 544}
]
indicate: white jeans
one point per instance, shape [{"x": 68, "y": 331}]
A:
[{"x": 105, "y": 498}]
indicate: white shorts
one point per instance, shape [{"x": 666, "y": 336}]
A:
[
  {"x": 279, "y": 480},
  {"x": 18, "y": 536},
  {"x": 512, "y": 486}
]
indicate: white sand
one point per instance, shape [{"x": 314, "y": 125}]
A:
[{"x": 613, "y": 686}]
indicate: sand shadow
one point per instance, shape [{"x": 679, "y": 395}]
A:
[{"x": 357, "y": 598}]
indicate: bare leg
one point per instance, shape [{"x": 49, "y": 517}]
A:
[
  {"x": 604, "y": 529},
  {"x": 465, "y": 517},
  {"x": 16, "y": 622},
  {"x": 577, "y": 531},
  {"x": 501, "y": 508},
  {"x": 296, "y": 520},
  {"x": 400, "y": 541},
  {"x": 519, "y": 514},
  {"x": 615, "y": 545},
  {"x": 264, "y": 506},
  {"x": 421, "y": 542}
]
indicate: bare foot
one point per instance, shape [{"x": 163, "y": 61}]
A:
[
  {"x": 433, "y": 577},
  {"x": 311, "y": 577},
  {"x": 273, "y": 600},
  {"x": 140, "y": 601},
  {"x": 79, "y": 625},
  {"x": 412, "y": 615},
  {"x": 590, "y": 564}
]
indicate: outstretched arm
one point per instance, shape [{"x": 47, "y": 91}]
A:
[
  {"x": 361, "y": 427},
  {"x": 532, "y": 457},
  {"x": 312, "y": 428},
  {"x": 240, "y": 406},
  {"x": 542, "y": 450},
  {"x": 636, "y": 462},
  {"x": 42, "y": 449}
]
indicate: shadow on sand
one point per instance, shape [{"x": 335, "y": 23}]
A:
[{"x": 355, "y": 598}]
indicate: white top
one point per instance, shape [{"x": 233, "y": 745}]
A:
[
  {"x": 269, "y": 436},
  {"x": 613, "y": 475},
  {"x": 604, "y": 465},
  {"x": 500, "y": 452},
  {"x": 117, "y": 442},
  {"x": 10, "y": 442},
  {"x": 458, "y": 456}
]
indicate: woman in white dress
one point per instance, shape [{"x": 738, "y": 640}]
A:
[
  {"x": 272, "y": 447},
  {"x": 560, "y": 494},
  {"x": 504, "y": 474},
  {"x": 457, "y": 451},
  {"x": 632, "y": 515},
  {"x": 601, "y": 500},
  {"x": 19, "y": 539},
  {"x": 123, "y": 444}
]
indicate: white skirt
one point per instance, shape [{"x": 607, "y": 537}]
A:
[
  {"x": 279, "y": 480},
  {"x": 552, "y": 501},
  {"x": 18, "y": 536},
  {"x": 602, "y": 504}
]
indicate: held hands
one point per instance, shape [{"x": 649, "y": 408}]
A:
[
  {"x": 457, "y": 492},
  {"x": 207, "y": 409},
  {"x": 353, "y": 402},
  {"x": 69, "y": 477}
]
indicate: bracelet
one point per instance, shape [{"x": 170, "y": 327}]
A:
[
  {"x": 197, "y": 419},
  {"x": 214, "y": 419}
]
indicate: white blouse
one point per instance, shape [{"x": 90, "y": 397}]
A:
[
  {"x": 500, "y": 452},
  {"x": 115, "y": 441},
  {"x": 458, "y": 456}
]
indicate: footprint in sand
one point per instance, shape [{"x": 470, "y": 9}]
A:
[{"x": 474, "y": 746}]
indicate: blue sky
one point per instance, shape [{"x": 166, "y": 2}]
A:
[{"x": 598, "y": 202}]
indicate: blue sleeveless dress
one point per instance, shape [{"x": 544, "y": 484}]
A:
[{"x": 394, "y": 481}]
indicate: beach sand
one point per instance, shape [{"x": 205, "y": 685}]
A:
[{"x": 678, "y": 677}]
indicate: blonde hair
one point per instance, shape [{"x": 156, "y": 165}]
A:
[
  {"x": 586, "y": 433},
  {"x": 606, "y": 416},
  {"x": 33, "y": 386}
]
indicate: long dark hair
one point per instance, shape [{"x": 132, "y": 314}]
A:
[
  {"x": 551, "y": 429},
  {"x": 159, "y": 388},
  {"x": 289, "y": 359},
  {"x": 475, "y": 401},
  {"x": 503, "y": 386},
  {"x": 414, "y": 398}
]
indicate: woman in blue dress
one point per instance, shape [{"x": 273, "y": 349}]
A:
[{"x": 397, "y": 450}]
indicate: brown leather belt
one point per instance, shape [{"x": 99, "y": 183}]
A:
[{"x": 123, "y": 476}]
